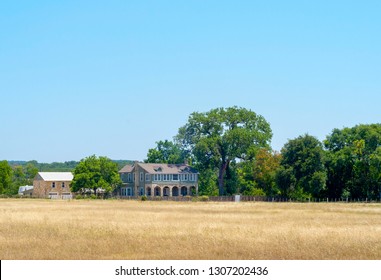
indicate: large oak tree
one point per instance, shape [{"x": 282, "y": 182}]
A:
[{"x": 222, "y": 135}]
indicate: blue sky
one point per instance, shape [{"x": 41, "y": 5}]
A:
[{"x": 113, "y": 77}]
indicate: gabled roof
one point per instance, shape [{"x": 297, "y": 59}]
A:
[
  {"x": 56, "y": 176},
  {"x": 127, "y": 169},
  {"x": 160, "y": 168}
]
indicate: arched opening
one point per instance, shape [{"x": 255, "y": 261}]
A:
[
  {"x": 157, "y": 191},
  {"x": 148, "y": 191},
  {"x": 184, "y": 191},
  {"x": 175, "y": 191},
  {"x": 166, "y": 191}
]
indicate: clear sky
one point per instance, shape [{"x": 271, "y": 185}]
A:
[{"x": 113, "y": 77}]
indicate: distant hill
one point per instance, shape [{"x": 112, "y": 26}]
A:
[{"x": 66, "y": 166}]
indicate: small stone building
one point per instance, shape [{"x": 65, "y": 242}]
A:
[
  {"x": 55, "y": 185},
  {"x": 158, "y": 179},
  {"x": 25, "y": 191}
]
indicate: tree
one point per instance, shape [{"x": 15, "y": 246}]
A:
[
  {"x": 354, "y": 161},
  {"x": 5, "y": 176},
  {"x": 166, "y": 152},
  {"x": 217, "y": 138},
  {"x": 259, "y": 173},
  {"x": 302, "y": 173},
  {"x": 30, "y": 171},
  {"x": 95, "y": 174}
]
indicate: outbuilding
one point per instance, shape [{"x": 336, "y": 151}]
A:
[{"x": 54, "y": 185}]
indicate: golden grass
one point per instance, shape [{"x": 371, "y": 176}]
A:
[{"x": 44, "y": 229}]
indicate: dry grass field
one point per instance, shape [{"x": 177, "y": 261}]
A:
[{"x": 44, "y": 229}]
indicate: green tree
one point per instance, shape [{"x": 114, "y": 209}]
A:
[
  {"x": 302, "y": 173},
  {"x": 217, "y": 138},
  {"x": 207, "y": 181},
  {"x": 354, "y": 162},
  {"x": 260, "y": 173},
  {"x": 95, "y": 174},
  {"x": 30, "y": 172},
  {"x": 18, "y": 179},
  {"x": 166, "y": 152},
  {"x": 5, "y": 176}
]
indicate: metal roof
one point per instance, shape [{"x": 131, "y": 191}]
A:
[{"x": 56, "y": 176}]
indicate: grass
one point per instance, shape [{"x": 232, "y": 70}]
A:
[{"x": 44, "y": 229}]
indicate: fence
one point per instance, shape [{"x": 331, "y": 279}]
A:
[
  {"x": 65, "y": 196},
  {"x": 246, "y": 198}
]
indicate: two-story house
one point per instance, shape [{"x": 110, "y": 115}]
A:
[
  {"x": 52, "y": 185},
  {"x": 157, "y": 179}
]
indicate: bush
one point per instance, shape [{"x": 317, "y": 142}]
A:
[
  {"x": 252, "y": 191},
  {"x": 204, "y": 198},
  {"x": 200, "y": 198},
  {"x": 143, "y": 198},
  {"x": 79, "y": 196},
  {"x": 93, "y": 196}
]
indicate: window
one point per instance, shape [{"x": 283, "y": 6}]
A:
[
  {"x": 141, "y": 191},
  {"x": 63, "y": 185},
  {"x": 141, "y": 176},
  {"x": 155, "y": 177},
  {"x": 148, "y": 177},
  {"x": 185, "y": 177},
  {"x": 53, "y": 184},
  {"x": 123, "y": 192},
  {"x": 129, "y": 192},
  {"x": 175, "y": 177},
  {"x": 129, "y": 177}
]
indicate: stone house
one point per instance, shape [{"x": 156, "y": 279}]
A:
[
  {"x": 158, "y": 179},
  {"x": 52, "y": 185}
]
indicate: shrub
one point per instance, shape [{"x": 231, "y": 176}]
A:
[
  {"x": 143, "y": 198},
  {"x": 93, "y": 196},
  {"x": 200, "y": 198},
  {"x": 204, "y": 198}
]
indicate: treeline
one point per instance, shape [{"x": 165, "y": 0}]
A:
[
  {"x": 47, "y": 167},
  {"x": 12, "y": 177},
  {"x": 231, "y": 149}
]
